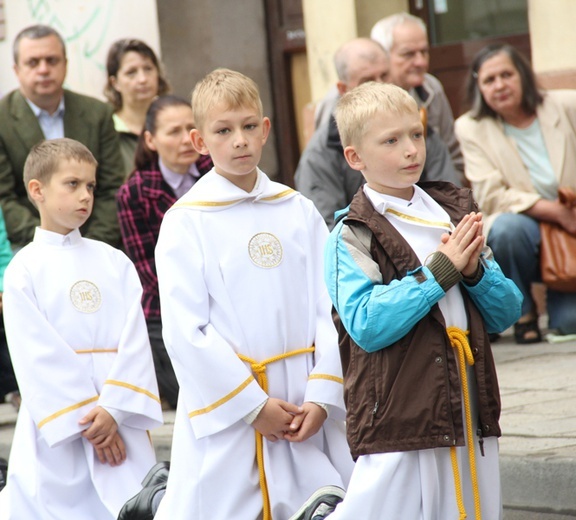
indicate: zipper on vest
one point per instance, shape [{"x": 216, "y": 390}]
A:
[
  {"x": 480, "y": 440},
  {"x": 374, "y": 410}
]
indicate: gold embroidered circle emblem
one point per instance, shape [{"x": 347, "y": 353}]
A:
[
  {"x": 265, "y": 250},
  {"x": 85, "y": 296}
]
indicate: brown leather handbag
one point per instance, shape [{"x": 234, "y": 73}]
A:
[{"x": 558, "y": 250}]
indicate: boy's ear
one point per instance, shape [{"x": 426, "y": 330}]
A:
[
  {"x": 35, "y": 190},
  {"x": 353, "y": 158},
  {"x": 265, "y": 129},
  {"x": 198, "y": 142}
]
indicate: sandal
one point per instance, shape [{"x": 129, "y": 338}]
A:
[{"x": 527, "y": 332}]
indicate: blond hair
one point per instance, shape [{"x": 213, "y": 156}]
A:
[
  {"x": 45, "y": 157},
  {"x": 357, "y": 108},
  {"x": 227, "y": 87}
]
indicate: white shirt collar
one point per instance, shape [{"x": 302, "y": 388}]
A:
[
  {"x": 213, "y": 192},
  {"x": 179, "y": 183},
  {"x": 57, "y": 239},
  {"x": 41, "y": 112},
  {"x": 421, "y": 209}
]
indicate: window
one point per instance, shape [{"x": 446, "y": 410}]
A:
[{"x": 459, "y": 20}]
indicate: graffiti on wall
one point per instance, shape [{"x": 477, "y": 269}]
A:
[
  {"x": 88, "y": 27},
  {"x": 85, "y": 32},
  {"x": 2, "y": 21}
]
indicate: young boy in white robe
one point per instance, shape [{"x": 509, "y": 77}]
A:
[
  {"x": 416, "y": 293},
  {"x": 247, "y": 323},
  {"x": 80, "y": 349}
]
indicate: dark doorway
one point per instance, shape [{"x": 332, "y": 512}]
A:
[{"x": 285, "y": 28}]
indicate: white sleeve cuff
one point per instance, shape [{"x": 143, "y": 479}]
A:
[
  {"x": 251, "y": 417},
  {"x": 324, "y": 407},
  {"x": 118, "y": 415}
]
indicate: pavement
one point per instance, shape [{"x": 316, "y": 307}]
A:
[{"x": 538, "y": 446}]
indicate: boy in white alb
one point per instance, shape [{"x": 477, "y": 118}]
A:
[
  {"x": 80, "y": 350},
  {"x": 416, "y": 293},
  {"x": 247, "y": 323}
]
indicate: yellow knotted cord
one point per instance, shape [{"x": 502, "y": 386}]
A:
[
  {"x": 259, "y": 370},
  {"x": 459, "y": 341},
  {"x": 457, "y": 484}
]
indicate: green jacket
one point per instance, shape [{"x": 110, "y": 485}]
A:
[{"x": 85, "y": 119}]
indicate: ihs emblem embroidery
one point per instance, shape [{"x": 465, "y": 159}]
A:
[
  {"x": 85, "y": 296},
  {"x": 265, "y": 250}
]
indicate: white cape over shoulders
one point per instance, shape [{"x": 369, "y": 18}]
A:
[
  {"x": 78, "y": 339},
  {"x": 242, "y": 273}
]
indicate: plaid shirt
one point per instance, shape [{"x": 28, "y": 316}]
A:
[{"x": 142, "y": 202}]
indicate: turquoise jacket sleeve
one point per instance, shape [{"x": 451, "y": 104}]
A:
[
  {"x": 5, "y": 251},
  {"x": 497, "y": 298},
  {"x": 377, "y": 315}
]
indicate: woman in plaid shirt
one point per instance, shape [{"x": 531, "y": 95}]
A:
[{"x": 167, "y": 166}]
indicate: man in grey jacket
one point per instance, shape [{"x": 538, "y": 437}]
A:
[
  {"x": 405, "y": 39},
  {"x": 323, "y": 175}
]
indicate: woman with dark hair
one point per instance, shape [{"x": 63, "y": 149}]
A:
[
  {"x": 167, "y": 166},
  {"x": 135, "y": 78},
  {"x": 519, "y": 146}
]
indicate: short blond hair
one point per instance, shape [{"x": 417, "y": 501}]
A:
[
  {"x": 225, "y": 86},
  {"x": 357, "y": 108},
  {"x": 45, "y": 157}
]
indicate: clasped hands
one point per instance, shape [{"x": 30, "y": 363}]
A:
[
  {"x": 464, "y": 245},
  {"x": 102, "y": 433},
  {"x": 279, "y": 420}
]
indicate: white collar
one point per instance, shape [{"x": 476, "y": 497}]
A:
[
  {"x": 213, "y": 192},
  {"x": 421, "y": 209},
  {"x": 52, "y": 238},
  {"x": 41, "y": 112}
]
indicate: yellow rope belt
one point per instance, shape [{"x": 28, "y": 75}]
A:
[
  {"x": 259, "y": 370},
  {"x": 459, "y": 341}
]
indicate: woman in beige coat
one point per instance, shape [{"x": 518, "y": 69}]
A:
[{"x": 519, "y": 146}]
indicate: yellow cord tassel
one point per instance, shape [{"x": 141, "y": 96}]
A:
[
  {"x": 259, "y": 370},
  {"x": 459, "y": 341},
  {"x": 457, "y": 484}
]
